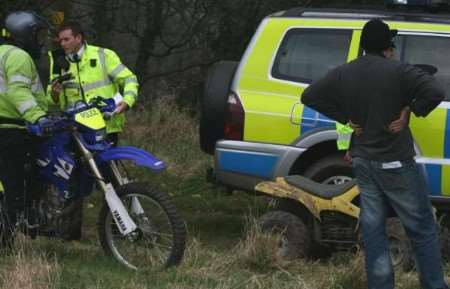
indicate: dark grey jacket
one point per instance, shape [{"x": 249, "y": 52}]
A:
[{"x": 371, "y": 91}]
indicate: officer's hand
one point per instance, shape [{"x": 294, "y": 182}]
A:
[
  {"x": 121, "y": 107},
  {"x": 348, "y": 157},
  {"x": 56, "y": 89},
  {"x": 45, "y": 125},
  {"x": 357, "y": 130},
  {"x": 403, "y": 121}
]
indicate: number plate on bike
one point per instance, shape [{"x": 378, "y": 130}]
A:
[{"x": 91, "y": 118}]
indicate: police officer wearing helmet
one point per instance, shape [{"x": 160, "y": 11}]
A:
[
  {"x": 372, "y": 93},
  {"x": 22, "y": 100}
]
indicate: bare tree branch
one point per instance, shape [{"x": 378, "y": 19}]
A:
[{"x": 180, "y": 70}]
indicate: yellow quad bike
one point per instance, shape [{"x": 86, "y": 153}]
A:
[{"x": 313, "y": 219}]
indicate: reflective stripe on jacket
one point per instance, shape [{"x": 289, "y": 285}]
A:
[
  {"x": 344, "y": 136},
  {"x": 21, "y": 94},
  {"x": 101, "y": 73}
]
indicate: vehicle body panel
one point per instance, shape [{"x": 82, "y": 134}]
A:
[{"x": 278, "y": 125}]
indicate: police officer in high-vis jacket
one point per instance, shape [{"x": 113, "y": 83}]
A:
[
  {"x": 95, "y": 71},
  {"x": 22, "y": 100}
]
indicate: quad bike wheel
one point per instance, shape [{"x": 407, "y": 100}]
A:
[
  {"x": 294, "y": 237},
  {"x": 399, "y": 246}
]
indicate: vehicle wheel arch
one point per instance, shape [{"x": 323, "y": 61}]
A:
[
  {"x": 321, "y": 161},
  {"x": 309, "y": 157},
  {"x": 315, "y": 141}
]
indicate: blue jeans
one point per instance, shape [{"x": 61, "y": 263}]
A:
[{"x": 404, "y": 190}]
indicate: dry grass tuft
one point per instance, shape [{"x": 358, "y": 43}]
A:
[
  {"x": 168, "y": 132},
  {"x": 348, "y": 271},
  {"x": 258, "y": 250},
  {"x": 29, "y": 268}
]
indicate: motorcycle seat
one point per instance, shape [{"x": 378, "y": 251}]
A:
[{"x": 318, "y": 189}]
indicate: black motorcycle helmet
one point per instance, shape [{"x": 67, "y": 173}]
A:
[{"x": 27, "y": 30}]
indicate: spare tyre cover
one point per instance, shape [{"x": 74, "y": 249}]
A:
[{"x": 216, "y": 90}]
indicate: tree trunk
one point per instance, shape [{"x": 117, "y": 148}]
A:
[
  {"x": 152, "y": 29},
  {"x": 102, "y": 21}
]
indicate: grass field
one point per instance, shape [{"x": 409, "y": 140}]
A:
[{"x": 225, "y": 248}]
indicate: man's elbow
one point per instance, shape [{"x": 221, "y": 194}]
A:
[
  {"x": 306, "y": 97},
  {"x": 423, "y": 109}
]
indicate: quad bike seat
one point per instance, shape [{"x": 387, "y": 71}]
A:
[{"x": 318, "y": 189}]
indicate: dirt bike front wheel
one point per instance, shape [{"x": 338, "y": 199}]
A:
[{"x": 160, "y": 237}]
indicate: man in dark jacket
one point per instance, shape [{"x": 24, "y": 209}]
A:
[{"x": 374, "y": 94}]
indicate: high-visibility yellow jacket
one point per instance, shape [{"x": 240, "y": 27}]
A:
[
  {"x": 98, "y": 73},
  {"x": 21, "y": 94},
  {"x": 344, "y": 136}
]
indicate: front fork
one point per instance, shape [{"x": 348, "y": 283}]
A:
[
  {"x": 135, "y": 204},
  {"x": 124, "y": 222}
]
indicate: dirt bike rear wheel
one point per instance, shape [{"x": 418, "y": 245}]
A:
[{"x": 158, "y": 241}]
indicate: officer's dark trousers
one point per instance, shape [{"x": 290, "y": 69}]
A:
[{"x": 15, "y": 147}]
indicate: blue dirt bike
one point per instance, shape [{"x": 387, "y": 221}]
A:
[{"x": 137, "y": 224}]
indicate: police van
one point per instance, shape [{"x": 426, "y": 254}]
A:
[{"x": 257, "y": 129}]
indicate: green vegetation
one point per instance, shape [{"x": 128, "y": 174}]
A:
[{"x": 225, "y": 248}]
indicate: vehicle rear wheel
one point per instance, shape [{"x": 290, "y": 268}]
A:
[
  {"x": 294, "y": 239},
  {"x": 330, "y": 170}
]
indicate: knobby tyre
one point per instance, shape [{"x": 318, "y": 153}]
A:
[
  {"x": 158, "y": 242},
  {"x": 399, "y": 245},
  {"x": 294, "y": 240}
]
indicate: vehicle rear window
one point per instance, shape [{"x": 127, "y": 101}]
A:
[
  {"x": 306, "y": 55},
  {"x": 424, "y": 49}
]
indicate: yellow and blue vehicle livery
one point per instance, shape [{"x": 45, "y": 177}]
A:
[{"x": 290, "y": 50}]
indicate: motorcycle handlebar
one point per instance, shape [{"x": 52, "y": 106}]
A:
[{"x": 106, "y": 106}]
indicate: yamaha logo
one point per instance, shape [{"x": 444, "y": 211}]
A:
[{"x": 119, "y": 221}]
